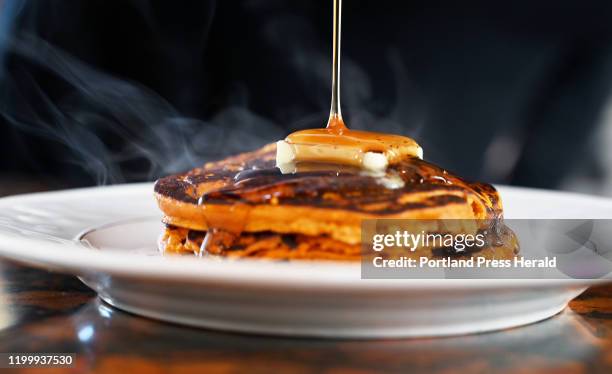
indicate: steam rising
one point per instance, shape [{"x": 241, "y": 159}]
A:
[{"x": 118, "y": 130}]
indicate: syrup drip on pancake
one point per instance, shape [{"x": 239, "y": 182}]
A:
[
  {"x": 336, "y": 143},
  {"x": 332, "y": 152},
  {"x": 247, "y": 205}
]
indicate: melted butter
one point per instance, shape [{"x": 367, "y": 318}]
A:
[
  {"x": 337, "y": 144},
  {"x": 338, "y": 134}
]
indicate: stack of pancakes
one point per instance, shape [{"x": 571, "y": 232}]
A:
[{"x": 243, "y": 206}]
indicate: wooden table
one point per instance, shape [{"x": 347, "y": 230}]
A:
[{"x": 46, "y": 312}]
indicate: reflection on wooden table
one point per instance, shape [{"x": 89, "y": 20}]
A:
[{"x": 46, "y": 312}]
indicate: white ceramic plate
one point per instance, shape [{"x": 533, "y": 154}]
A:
[{"x": 120, "y": 226}]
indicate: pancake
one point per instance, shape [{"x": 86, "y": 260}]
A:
[
  {"x": 274, "y": 246},
  {"x": 250, "y": 209}
]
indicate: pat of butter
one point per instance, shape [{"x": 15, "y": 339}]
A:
[
  {"x": 289, "y": 153},
  {"x": 374, "y": 161}
]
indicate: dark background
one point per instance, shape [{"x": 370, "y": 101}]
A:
[{"x": 98, "y": 92}]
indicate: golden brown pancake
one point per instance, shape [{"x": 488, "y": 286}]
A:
[{"x": 254, "y": 210}]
